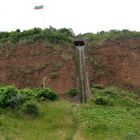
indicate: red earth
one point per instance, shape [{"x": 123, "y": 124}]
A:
[{"x": 112, "y": 63}]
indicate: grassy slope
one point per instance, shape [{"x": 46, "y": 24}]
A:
[
  {"x": 63, "y": 120},
  {"x": 117, "y": 122},
  {"x": 57, "y": 122}
]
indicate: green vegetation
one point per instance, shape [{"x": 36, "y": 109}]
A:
[
  {"x": 62, "y": 120},
  {"x": 56, "y": 121},
  {"x": 112, "y": 35},
  {"x": 57, "y": 36},
  {"x": 12, "y": 98},
  {"x": 103, "y": 101},
  {"x": 34, "y": 35},
  {"x": 116, "y": 122},
  {"x": 31, "y": 108},
  {"x": 98, "y": 86},
  {"x": 46, "y": 94},
  {"x": 73, "y": 92}
]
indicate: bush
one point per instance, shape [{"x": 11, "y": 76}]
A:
[
  {"x": 46, "y": 94},
  {"x": 73, "y": 92},
  {"x": 29, "y": 93},
  {"x": 97, "y": 86},
  {"x": 12, "y": 98},
  {"x": 7, "y": 95},
  {"x": 31, "y": 108},
  {"x": 103, "y": 101},
  {"x": 17, "y": 101},
  {"x": 34, "y": 35}
]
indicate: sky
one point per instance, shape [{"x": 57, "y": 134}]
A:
[{"x": 81, "y": 15}]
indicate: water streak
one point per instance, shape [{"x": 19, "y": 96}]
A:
[{"x": 82, "y": 74}]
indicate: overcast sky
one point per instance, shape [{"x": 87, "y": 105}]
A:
[{"x": 81, "y": 15}]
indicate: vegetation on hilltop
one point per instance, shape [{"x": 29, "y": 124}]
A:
[
  {"x": 63, "y": 35},
  {"x": 33, "y": 35},
  {"x": 112, "y": 35}
]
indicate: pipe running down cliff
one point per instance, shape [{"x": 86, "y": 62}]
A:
[{"x": 82, "y": 76}]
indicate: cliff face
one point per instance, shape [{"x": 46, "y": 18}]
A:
[
  {"x": 113, "y": 63},
  {"x": 118, "y": 63}
]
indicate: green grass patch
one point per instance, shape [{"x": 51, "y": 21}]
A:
[
  {"x": 62, "y": 120},
  {"x": 56, "y": 122}
]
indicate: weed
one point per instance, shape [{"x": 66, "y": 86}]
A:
[
  {"x": 31, "y": 108},
  {"x": 66, "y": 57},
  {"x": 73, "y": 92},
  {"x": 103, "y": 101},
  {"x": 54, "y": 75},
  {"x": 46, "y": 94}
]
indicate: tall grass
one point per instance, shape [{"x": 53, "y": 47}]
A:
[
  {"x": 62, "y": 120},
  {"x": 57, "y": 122}
]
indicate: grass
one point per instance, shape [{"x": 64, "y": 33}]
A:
[
  {"x": 62, "y": 120},
  {"x": 117, "y": 122},
  {"x": 55, "y": 123},
  {"x": 110, "y": 123}
]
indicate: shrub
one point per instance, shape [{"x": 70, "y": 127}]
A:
[
  {"x": 7, "y": 94},
  {"x": 17, "y": 101},
  {"x": 10, "y": 97},
  {"x": 29, "y": 93},
  {"x": 46, "y": 94},
  {"x": 31, "y": 108},
  {"x": 64, "y": 35},
  {"x": 54, "y": 75},
  {"x": 34, "y": 35},
  {"x": 103, "y": 101},
  {"x": 73, "y": 92},
  {"x": 97, "y": 86}
]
